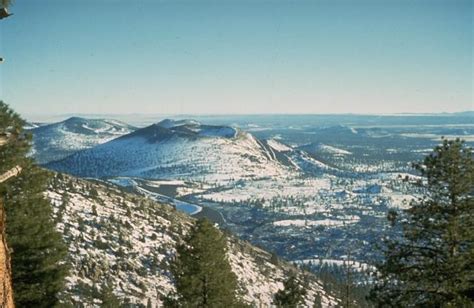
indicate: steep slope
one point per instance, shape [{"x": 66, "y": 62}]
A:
[
  {"x": 318, "y": 148},
  {"x": 58, "y": 140},
  {"x": 128, "y": 242},
  {"x": 300, "y": 159},
  {"x": 178, "y": 149}
]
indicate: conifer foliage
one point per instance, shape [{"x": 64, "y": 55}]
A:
[
  {"x": 291, "y": 295},
  {"x": 202, "y": 271},
  {"x": 38, "y": 251},
  {"x": 432, "y": 265}
]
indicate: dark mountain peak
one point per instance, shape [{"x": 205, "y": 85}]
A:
[
  {"x": 170, "y": 123},
  {"x": 75, "y": 120},
  {"x": 187, "y": 128},
  {"x": 152, "y": 133}
]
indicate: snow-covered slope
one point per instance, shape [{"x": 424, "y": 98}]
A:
[
  {"x": 316, "y": 148},
  {"x": 128, "y": 242},
  {"x": 174, "y": 150},
  {"x": 278, "y": 146},
  {"x": 58, "y": 140},
  {"x": 31, "y": 125}
]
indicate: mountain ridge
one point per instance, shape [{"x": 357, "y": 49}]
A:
[
  {"x": 193, "y": 150},
  {"x": 58, "y": 140}
]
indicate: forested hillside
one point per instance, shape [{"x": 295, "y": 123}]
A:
[{"x": 124, "y": 244}]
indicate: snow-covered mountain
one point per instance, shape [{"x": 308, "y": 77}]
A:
[
  {"x": 128, "y": 241},
  {"x": 178, "y": 149},
  {"x": 58, "y": 140}
]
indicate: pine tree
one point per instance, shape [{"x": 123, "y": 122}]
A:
[
  {"x": 432, "y": 265},
  {"x": 318, "y": 301},
  {"x": 38, "y": 251},
  {"x": 5, "y": 3},
  {"x": 202, "y": 272},
  {"x": 292, "y": 294},
  {"x": 148, "y": 304},
  {"x": 93, "y": 193},
  {"x": 107, "y": 296}
]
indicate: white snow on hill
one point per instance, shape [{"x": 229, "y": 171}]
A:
[
  {"x": 317, "y": 148},
  {"x": 128, "y": 242},
  {"x": 210, "y": 154},
  {"x": 58, "y": 140},
  {"x": 333, "y": 150},
  {"x": 30, "y": 125},
  {"x": 305, "y": 162},
  {"x": 271, "y": 188},
  {"x": 278, "y": 146}
]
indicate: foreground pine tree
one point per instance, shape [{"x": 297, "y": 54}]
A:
[
  {"x": 38, "y": 251},
  {"x": 432, "y": 265},
  {"x": 291, "y": 295},
  {"x": 107, "y": 296},
  {"x": 202, "y": 271}
]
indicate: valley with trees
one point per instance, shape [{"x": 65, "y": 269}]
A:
[
  {"x": 206, "y": 154},
  {"x": 133, "y": 245}
]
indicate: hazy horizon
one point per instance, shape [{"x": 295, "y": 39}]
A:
[{"x": 134, "y": 118}]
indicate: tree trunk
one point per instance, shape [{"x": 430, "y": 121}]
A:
[{"x": 6, "y": 290}]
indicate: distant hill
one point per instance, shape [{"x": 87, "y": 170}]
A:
[
  {"x": 337, "y": 129},
  {"x": 58, "y": 140},
  {"x": 178, "y": 149},
  {"x": 317, "y": 148},
  {"x": 465, "y": 113}
]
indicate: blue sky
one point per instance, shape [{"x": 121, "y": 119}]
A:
[{"x": 226, "y": 57}]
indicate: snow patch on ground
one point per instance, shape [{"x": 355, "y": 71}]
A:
[
  {"x": 333, "y": 150},
  {"x": 277, "y": 146},
  {"x": 321, "y": 222}
]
